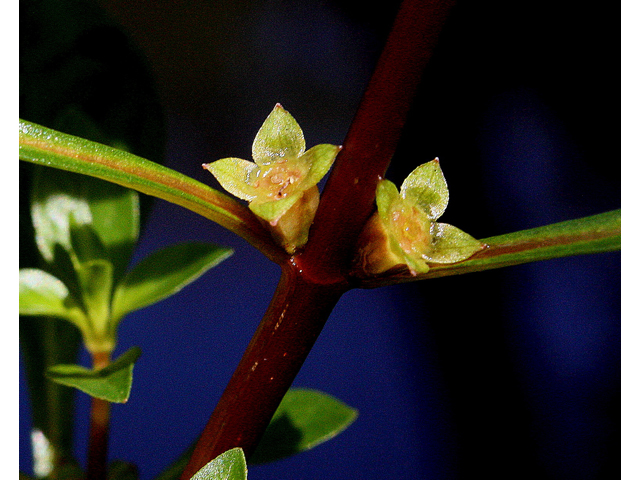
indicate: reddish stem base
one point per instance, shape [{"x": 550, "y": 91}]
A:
[{"x": 273, "y": 358}]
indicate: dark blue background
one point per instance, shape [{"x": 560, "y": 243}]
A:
[{"x": 512, "y": 373}]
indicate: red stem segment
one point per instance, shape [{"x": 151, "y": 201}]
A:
[
  {"x": 98, "y": 429},
  {"x": 348, "y": 198},
  {"x": 273, "y": 358},
  {"x": 312, "y": 282}
]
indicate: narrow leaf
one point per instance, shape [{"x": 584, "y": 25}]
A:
[
  {"x": 111, "y": 383},
  {"x": 231, "y": 465},
  {"x": 86, "y": 243},
  {"x": 44, "y": 146},
  {"x": 96, "y": 281},
  {"x": 304, "y": 419},
  {"x": 164, "y": 273}
]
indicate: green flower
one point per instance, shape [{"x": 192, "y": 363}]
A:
[
  {"x": 281, "y": 185},
  {"x": 404, "y": 230}
]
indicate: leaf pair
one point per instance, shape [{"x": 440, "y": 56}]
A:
[{"x": 86, "y": 230}]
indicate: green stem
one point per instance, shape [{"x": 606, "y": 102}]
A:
[
  {"x": 595, "y": 234},
  {"x": 44, "y": 146}
]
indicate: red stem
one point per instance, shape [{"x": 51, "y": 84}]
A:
[
  {"x": 348, "y": 198},
  {"x": 284, "y": 338},
  {"x": 98, "y": 428},
  {"x": 312, "y": 282}
]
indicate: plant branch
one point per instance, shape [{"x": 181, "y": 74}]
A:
[
  {"x": 98, "y": 428},
  {"x": 314, "y": 280},
  {"x": 595, "y": 234},
  {"x": 348, "y": 198},
  {"x": 290, "y": 327},
  {"x": 44, "y": 146}
]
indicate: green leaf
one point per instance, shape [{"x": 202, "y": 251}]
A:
[
  {"x": 43, "y": 294},
  {"x": 116, "y": 220},
  {"x": 86, "y": 244},
  {"x": 44, "y": 146},
  {"x": 111, "y": 383},
  {"x": 427, "y": 187},
  {"x": 386, "y": 194},
  {"x": 594, "y": 234},
  {"x": 96, "y": 283},
  {"x": 450, "y": 244},
  {"x": 55, "y": 206},
  {"x": 104, "y": 216},
  {"x": 304, "y": 419},
  {"x": 280, "y": 137},
  {"x": 164, "y": 273},
  {"x": 320, "y": 158},
  {"x": 272, "y": 211},
  {"x": 230, "y": 465},
  {"x": 234, "y": 174}
]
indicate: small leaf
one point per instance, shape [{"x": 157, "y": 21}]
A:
[
  {"x": 386, "y": 195},
  {"x": 234, "y": 175},
  {"x": 86, "y": 243},
  {"x": 280, "y": 137},
  {"x": 231, "y": 465},
  {"x": 450, "y": 244},
  {"x": 96, "y": 282},
  {"x": 43, "y": 294},
  {"x": 272, "y": 211},
  {"x": 427, "y": 187},
  {"x": 111, "y": 383},
  {"x": 304, "y": 419},
  {"x": 320, "y": 158},
  {"x": 164, "y": 273}
]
